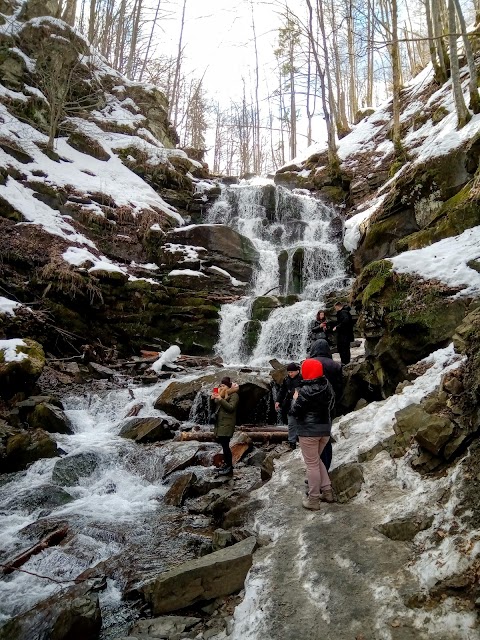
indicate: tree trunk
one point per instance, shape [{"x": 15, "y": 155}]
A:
[
  {"x": 463, "y": 115},
  {"x": 396, "y": 137},
  {"x": 70, "y": 12},
  {"x": 173, "y": 107},
  {"x": 91, "y": 23},
  {"x": 473, "y": 82}
]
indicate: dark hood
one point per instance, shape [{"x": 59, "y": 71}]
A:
[{"x": 320, "y": 348}]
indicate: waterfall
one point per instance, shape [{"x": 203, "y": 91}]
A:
[{"x": 300, "y": 263}]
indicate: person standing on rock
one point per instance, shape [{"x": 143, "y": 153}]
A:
[
  {"x": 319, "y": 327},
  {"x": 344, "y": 331},
  {"x": 226, "y": 400},
  {"x": 312, "y": 411},
  {"x": 291, "y": 382}
]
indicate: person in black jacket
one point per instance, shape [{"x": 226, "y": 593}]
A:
[
  {"x": 332, "y": 370},
  {"x": 285, "y": 397},
  {"x": 344, "y": 331},
  {"x": 318, "y": 330},
  {"x": 312, "y": 409}
]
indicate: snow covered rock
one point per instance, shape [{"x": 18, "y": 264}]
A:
[{"x": 21, "y": 363}]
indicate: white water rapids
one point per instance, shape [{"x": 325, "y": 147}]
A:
[{"x": 286, "y": 226}]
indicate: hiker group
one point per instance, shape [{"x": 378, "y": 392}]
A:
[{"x": 306, "y": 401}]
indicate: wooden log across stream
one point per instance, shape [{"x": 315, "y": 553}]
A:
[
  {"x": 257, "y": 433},
  {"x": 52, "y": 538}
]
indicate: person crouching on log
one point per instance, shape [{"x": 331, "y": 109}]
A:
[
  {"x": 312, "y": 410},
  {"x": 226, "y": 399}
]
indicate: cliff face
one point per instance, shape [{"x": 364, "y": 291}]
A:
[
  {"x": 90, "y": 186},
  {"x": 412, "y": 225}
]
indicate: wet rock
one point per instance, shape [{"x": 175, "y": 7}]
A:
[
  {"x": 72, "y": 614},
  {"x": 178, "y": 491},
  {"x": 347, "y": 481},
  {"x": 205, "y": 483},
  {"x": 406, "y": 528},
  {"x": 217, "y": 574},
  {"x": 25, "y": 447},
  {"x": 178, "y": 455},
  {"x": 148, "y": 429},
  {"x": 45, "y": 497},
  {"x": 407, "y": 422},
  {"x": 163, "y": 627},
  {"x": 268, "y": 465},
  {"x": 100, "y": 371},
  {"x": 50, "y": 418},
  {"x": 68, "y": 471}
]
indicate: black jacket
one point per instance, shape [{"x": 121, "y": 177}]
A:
[
  {"x": 287, "y": 390},
  {"x": 344, "y": 325},
  {"x": 331, "y": 370},
  {"x": 312, "y": 411}
]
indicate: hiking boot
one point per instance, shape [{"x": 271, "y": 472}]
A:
[
  {"x": 227, "y": 471},
  {"x": 311, "y": 503},
  {"x": 292, "y": 445},
  {"x": 327, "y": 496}
]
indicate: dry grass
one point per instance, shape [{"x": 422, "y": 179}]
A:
[{"x": 65, "y": 279}]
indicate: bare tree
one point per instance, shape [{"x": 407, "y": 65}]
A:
[{"x": 463, "y": 115}]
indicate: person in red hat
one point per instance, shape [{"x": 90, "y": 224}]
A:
[{"x": 312, "y": 410}]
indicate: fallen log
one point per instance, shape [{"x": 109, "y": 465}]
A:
[
  {"x": 51, "y": 539},
  {"x": 255, "y": 436}
]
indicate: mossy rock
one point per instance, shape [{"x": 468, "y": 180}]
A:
[
  {"x": 439, "y": 114},
  {"x": 21, "y": 375},
  {"x": 115, "y": 278},
  {"x": 382, "y": 236},
  {"x": 457, "y": 214},
  {"x": 335, "y": 194},
  {"x": 9, "y": 212},
  {"x": 89, "y": 146},
  {"x": 251, "y": 333},
  {"x": 263, "y": 307},
  {"x": 26, "y": 447},
  {"x": 403, "y": 319}
]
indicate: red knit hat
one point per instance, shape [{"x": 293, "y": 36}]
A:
[{"x": 311, "y": 369}]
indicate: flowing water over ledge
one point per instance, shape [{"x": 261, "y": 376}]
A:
[{"x": 300, "y": 255}]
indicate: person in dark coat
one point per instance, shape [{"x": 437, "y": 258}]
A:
[
  {"x": 226, "y": 401},
  {"x": 318, "y": 330},
  {"x": 344, "y": 331},
  {"x": 285, "y": 397},
  {"x": 332, "y": 370},
  {"x": 311, "y": 409}
]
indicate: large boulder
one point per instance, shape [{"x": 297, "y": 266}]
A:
[
  {"x": 68, "y": 470},
  {"x": 24, "y": 447},
  {"x": 190, "y": 400},
  {"x": 50, "y": 418},
  {"x": 21, "y": 363},
  {"x": 71, "y": 614},
  {"x": 227, "y": 248},
  {"x": 217, "y": 574},
  {"x": 148, "y": 429}
]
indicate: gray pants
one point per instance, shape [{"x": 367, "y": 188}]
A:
[{"x": 292, "y": 431}]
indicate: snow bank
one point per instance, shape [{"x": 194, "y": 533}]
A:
[
  {"x": 9, "y": 350},
  {"x": 446, "y": 260},
  {"x": 8, "y": 307}
]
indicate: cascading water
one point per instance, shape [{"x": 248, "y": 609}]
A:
[
  {"x": 112, "y": 511},
  {"x": 300, "y": 263}
]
